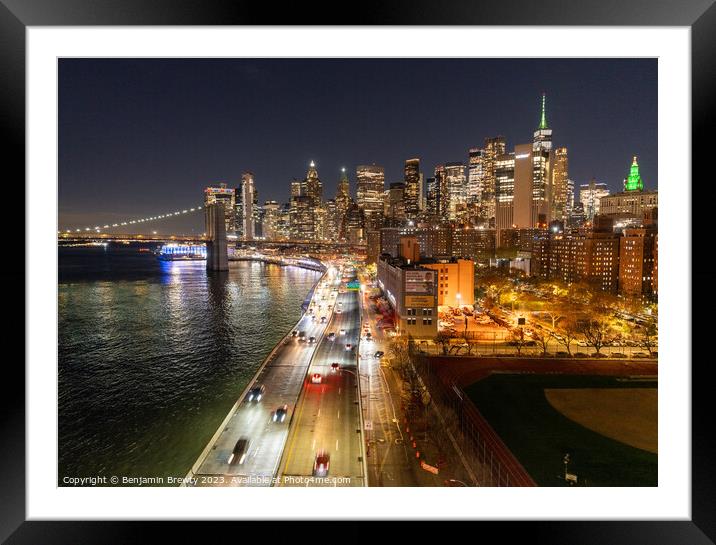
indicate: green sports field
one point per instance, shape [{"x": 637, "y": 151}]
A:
[{"x": 539, "y": 435}]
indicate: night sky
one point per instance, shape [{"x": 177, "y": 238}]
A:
[{"x": 142, "y": 137}]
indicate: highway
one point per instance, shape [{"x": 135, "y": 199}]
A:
[
  {"x": 283, "y": 376},
  {"x": 327, "y": 416}
]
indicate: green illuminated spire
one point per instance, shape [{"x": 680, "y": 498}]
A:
[
  {"x": 543, "y": 119},
  {"x": 633, "y": 182}
]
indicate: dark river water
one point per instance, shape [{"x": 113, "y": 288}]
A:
[{"x": 152, "y": 355}]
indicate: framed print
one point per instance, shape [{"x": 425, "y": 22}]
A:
[{"x": 413, "y": 257}]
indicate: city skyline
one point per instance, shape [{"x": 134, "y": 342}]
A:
[{"x": 79, "y": 193}]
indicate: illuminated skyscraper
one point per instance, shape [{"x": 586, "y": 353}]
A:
[
  {"x": 248, "y": 210},
  {"x": 560, "y": 190},
  {"x": 542, "y": 160},
  {"x": 504, "y": 173},
  {"x": 633, "y": 181},
  {"x": 457, "y": 189},
  {"x": 474, "y": 176},
  {"x": 442, "y": 194},
  {"x": 226, "y": 196},
  {"x": 494, "y": 148},
  {"x": 431, "y": 201},
  {"x": 313, "y": 186},
  {"x": 590, "y": 196},
  {"x": 271, "y": 220},
  {"x": 370, "y": 187},
  {"x": 412, "y": 188}
]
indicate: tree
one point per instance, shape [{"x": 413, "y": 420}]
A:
[
  {"x": 568, "y": 334},
  {"x": 554, "y": 314},
  {"x": 443, "y": 339},
  {"x": 596, "y": 332},
  {"x": 517, "y": 338},
  {"x": 542, "y": 337},
  {"x": 648, "y": 339}
]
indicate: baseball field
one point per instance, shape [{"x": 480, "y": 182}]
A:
[{"x": 607, "y": 425}]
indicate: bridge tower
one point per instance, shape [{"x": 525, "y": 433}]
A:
[{"x": 217, "y": 255}]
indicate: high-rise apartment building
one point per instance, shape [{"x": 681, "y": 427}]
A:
[
  {"x": 369, "y": 193},
  {"x": 442, "y": 194}
]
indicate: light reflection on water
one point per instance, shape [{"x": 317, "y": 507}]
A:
[{"x": 153, "y": 354}]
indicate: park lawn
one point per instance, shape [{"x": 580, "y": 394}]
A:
[{"x": 539, "y": 436}]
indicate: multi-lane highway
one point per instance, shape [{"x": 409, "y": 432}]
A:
[
  {"x": 283, "y": 377},
  {"x": 327, "y": 417}
]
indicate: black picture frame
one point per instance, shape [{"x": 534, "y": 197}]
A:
[{"x": 699, "y": 15}]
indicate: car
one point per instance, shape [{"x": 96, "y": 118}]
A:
[
  {"x": 618, "y": 355},
  {"x": 313, "y": 318},
  {"x": 316, "y": 378},
  {"x": 294, "y": 333},
  {"x": 323, "y": 319},
  {"x": 378, "y": 354},
  {"x": 279, "y": 415},
  {"x": 368, "y": 337},
  {"x": 562, "y": 354},
  {"x": 331, "y": 335},
  {"x": 301, "y": 335},
  {"x": 338, "y": 311},
  {"x": 238, "y": 455},
  {"x": 256, "y": 393},
  {"x": 321, "y": 464},
  {"x": 342, "y": 332},
  {"x": 335, "y": 366},
  {"x": 311, "y": 340},
  {"x": 349, "y": 346},
  {"x": 580, "y": 355}
]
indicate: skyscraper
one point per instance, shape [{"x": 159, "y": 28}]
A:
[
  {"x": 494, "y": 148},
  {"x": 271, "y": 220},
  {"x": 590, "y": 196},
  {"x": 560, "y": 190},
  {"x": 504, "y": 172},
  {"x": 313, "y": 185},
  {"x": 542, "y": 160},
  {"x": 633, "y": 181},
  {"x": 248, "y": 212},
  {"x": 370, "y": 187},
  {"x": 226, "y": 196},
  {"x": 457, "y": 189},
  {"x": 442, "y": 194},
  {"x": 431, "y": 201},
  {"x": 474, "y": 175},
  {"x": 412, "y": 188}
]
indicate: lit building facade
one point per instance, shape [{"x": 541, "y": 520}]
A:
[
  {"x": 637, "y": 251},
  {"x": 412, "y": 188},
  {"x": 227, "y": 197},
  {"x": 369, "y": 194},
  {"x": 456, "y": 190},
  {"x": 590, "y": 195},
  {"x": 456, "y": 281},
  {"x": 494, "y": 147},
  {"x": 412, "y": 292},
  {"x": 560, "y": 185}
]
